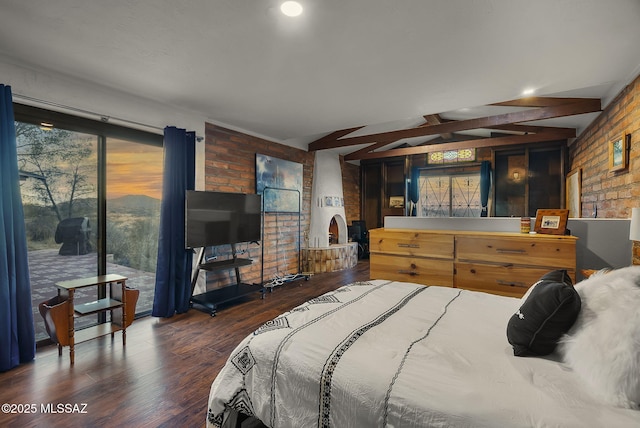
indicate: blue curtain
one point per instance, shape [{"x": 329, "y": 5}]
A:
[
  {"x": 173, "y": 272},
  {"x": 414, "y": 191},
  {"x": 485, "y": 185},
  {"x": 17, "y": 336}
]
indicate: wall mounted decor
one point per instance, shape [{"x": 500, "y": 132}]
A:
[
  {"x": 283, "y": 181},
  {"x": 573, "y": 185},
  {"x": 618, "y": 153}
]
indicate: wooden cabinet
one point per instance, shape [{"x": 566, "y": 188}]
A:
[
  {"x": 412, "y": 256},
  {"x": 380, "y": 181},
  {"x": 494, "y": 262},
  {"x": 528, "y": 178}
]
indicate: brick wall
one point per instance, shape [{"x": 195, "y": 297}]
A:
[
  {"x": 610, "y": 194},
  {"x": 230, "y": 167}
]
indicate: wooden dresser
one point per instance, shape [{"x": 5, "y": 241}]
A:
[{"x": 494, "y": 262}]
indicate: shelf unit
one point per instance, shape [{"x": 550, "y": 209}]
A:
[
  {"x": 60, "y": 318},
  {"x": 213, "y": 298}
]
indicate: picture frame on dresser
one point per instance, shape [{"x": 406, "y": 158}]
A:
[
  {"x": 618, "y": 153},
  {"x": 551, "y": 221}
]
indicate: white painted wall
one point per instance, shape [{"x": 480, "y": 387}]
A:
[{"x": 59, "y": 92}]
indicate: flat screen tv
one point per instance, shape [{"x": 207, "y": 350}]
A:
[{"x": 219, "y": 218}]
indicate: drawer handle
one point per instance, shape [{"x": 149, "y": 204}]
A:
[
  {"x": 511, "y": 283},
  {"x": 401, "y": 245},
  {"x": 510, "y": 251},
  {"x": 408, "y": 272}
]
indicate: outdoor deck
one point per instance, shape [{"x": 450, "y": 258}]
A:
[{"x": 47, "y": 267}]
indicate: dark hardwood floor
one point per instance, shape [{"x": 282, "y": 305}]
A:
[{"x": 161, "y": 377}]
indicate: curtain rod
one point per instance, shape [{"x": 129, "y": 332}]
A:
[{"x": 103, "y": 118}]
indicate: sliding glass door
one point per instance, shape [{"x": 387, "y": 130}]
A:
[
  {"x": 134, "y": 192},
  {"x": 58, "y": 182},
  {"x": 91, "y": 194}
]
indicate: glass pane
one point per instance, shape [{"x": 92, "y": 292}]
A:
[
  {"x": 511, "y": 179},
  {"x": 434, "y": 198},
  {"x": 465, "y": 196},
  {"x": 395, "y": 182},
  {"x": 449, "y": 195},
  {"x": 372, "y": 179},
  {"x": 58, "y": 176},
  {"x": 545, "y": 181},
  {"x": 134, "y": 192}
]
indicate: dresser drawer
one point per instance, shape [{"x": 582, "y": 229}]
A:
[
  {"x": 503, "y": 279},
  {"x": 530, "y": 251},
  {"x": 412, "y": 243},
  {"x": 412, "y": 269}
]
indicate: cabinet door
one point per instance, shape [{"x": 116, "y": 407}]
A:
[
  {"x": 546, "y": 183},
  {"x": 526, "y": 251},
  {"x": 528, "y": 179},
  {"x": 411, "y": 243},
  {"x": 503, "y": 279},
  {"x": 412, "y": 269},
  {"x": 394, "y": 189},
  {"x": 371, "y": 191},
  {"x": 510, "y": 184}
]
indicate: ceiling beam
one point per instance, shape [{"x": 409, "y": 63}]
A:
[
  {"x": 539, "y": 102},
  {"x": 358, "y": 153},
  {"x": 334, "y": 136},
  {"x": 584, "y": 105},
  {"x": 435, "y": 119},
  {"x": 478, "y": 143},
  {"x": 529, "y": 129}
]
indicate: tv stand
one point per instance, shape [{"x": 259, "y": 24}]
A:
[{"x": 211, "y": 299}]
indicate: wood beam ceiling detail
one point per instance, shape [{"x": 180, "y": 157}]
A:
[
  {"x": 481, "y": 142},
  {"x": 543, "y": 108}
]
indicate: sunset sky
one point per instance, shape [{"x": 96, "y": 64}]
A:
[{"x": 133, "y": 169}]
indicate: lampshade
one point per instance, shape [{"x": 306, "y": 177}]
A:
[{"x": 634, "y": 229}]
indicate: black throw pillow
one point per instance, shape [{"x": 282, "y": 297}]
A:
[{"x": 548, "y": 312}]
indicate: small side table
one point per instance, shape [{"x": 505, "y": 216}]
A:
[{"x": 115, "y": 300}]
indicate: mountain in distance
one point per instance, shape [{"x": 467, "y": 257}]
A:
[{"x": 133, "y": 204}]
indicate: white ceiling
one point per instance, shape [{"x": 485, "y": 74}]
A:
[{"x": 343, "y": 63}]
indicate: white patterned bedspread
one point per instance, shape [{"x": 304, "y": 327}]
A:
[{"x": 391, "y": 354}]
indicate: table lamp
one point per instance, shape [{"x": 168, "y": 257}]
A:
[{"x": 634, "y": 235}]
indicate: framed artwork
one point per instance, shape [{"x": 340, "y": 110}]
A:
[
  {"x": 573, "y": 189},
  {"x": 280, "y": 183},
  {"x": 618, "y": 153},
  {"x": 396, "y": 201},
  {"x": 551, "y": 222}
]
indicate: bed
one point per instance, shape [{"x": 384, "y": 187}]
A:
[{"x": 392, "y": 354}]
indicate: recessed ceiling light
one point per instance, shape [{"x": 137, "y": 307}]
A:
[
  {"x": 528, "y": 91},
  {"x": 291, "y": 8}
]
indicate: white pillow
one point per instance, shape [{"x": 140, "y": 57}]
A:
[{"x": 603, "y": 346}]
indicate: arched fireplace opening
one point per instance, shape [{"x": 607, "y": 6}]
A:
[{"x": 337, "y": 230}]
